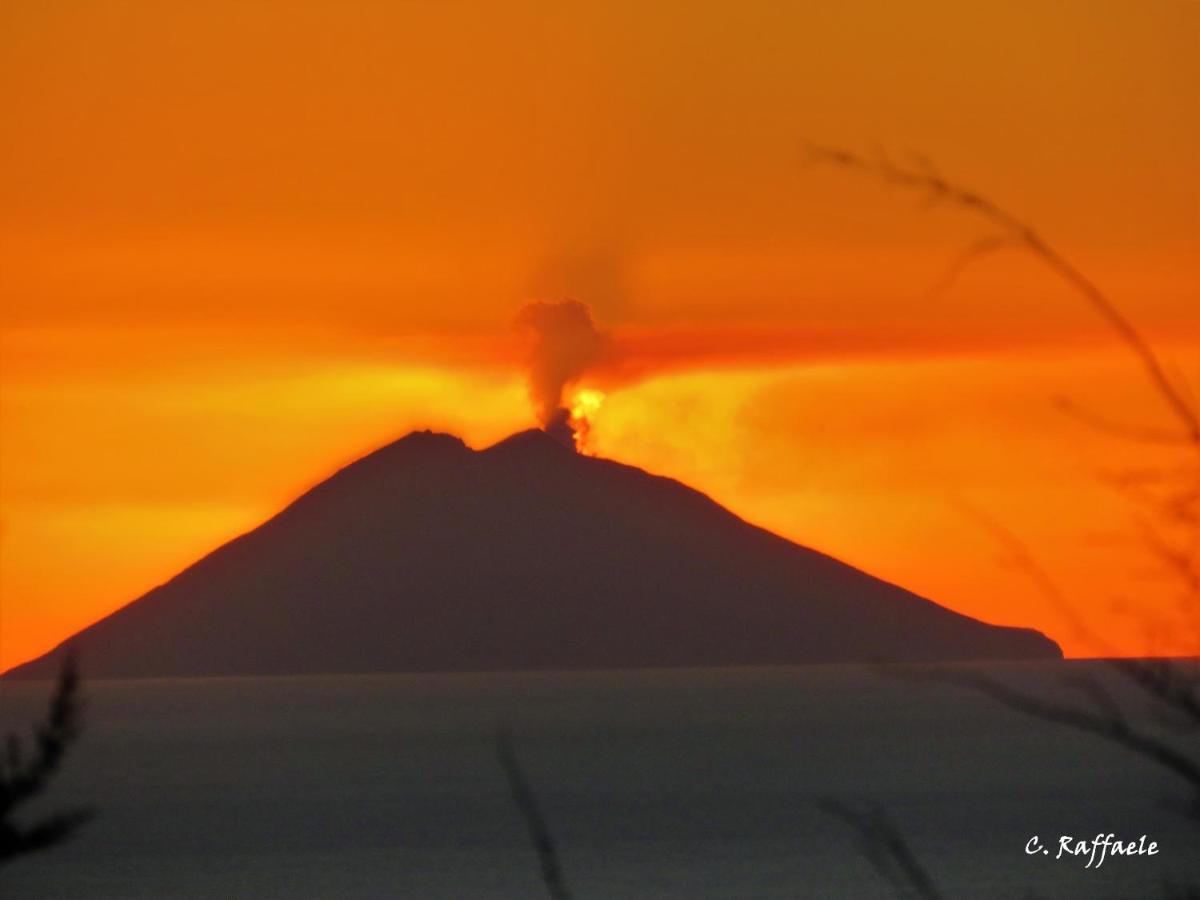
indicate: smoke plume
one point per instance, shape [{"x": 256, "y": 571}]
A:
[{"x": 566, "y": 344}]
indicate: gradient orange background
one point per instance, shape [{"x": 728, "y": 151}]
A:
[{"x": 242, "y": 243}]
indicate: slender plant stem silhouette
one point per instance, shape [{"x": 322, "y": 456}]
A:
[
  {"x": 925, "y": 178},
  {"x": 23, "y": 778},
  {"x": 539, "y": 830},
  {"x": 1171, "y": 688},
  {"x": 884, "y": 844}
]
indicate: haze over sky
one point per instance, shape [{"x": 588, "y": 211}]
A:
[{"x": 244, "y": 243}]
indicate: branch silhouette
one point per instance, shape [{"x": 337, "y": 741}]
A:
[
  {"x": 1103, "y": 719},
  {"x": 927, "y": 180},
  {"x": 1171, "y": 688},
  {"x": 24, "y": 777}
]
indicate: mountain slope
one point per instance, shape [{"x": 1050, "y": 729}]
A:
[{"x": 428, "y": 556}]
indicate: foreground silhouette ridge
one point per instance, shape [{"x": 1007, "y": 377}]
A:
[{"x": 428, "y": 556}]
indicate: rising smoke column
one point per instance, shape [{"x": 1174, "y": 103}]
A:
[{"x": 566, "y": 344}]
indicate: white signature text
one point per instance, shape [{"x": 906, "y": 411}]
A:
[{"x": 1096, "y": 850}]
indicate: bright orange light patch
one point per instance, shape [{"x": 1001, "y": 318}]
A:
[{"x": 584, "y": 404}]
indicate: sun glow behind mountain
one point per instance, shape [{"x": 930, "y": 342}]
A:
[{"x": 223, "y": 280}]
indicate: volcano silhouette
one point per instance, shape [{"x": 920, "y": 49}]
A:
[{"x": 428, "y": 556}]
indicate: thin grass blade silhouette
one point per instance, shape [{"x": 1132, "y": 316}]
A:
[{"x": 539, "y": 830}]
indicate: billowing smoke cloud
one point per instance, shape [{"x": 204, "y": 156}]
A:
[
  {"x": 562, "y": 428},
  {"x": 566, "y": 344}
]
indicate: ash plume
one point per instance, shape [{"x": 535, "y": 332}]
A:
[
  {"x": 562, "y": 427},
  {"x": 566, "y": 344}
]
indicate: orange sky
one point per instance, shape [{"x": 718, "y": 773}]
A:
[{"x": 243, "y": 243}]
